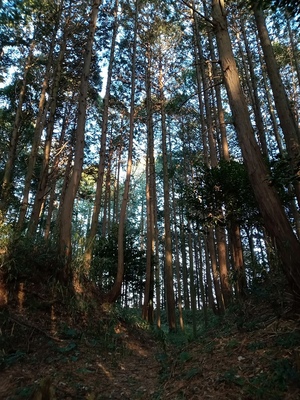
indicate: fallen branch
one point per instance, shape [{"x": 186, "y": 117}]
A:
[{"x": 32, "y": 326}]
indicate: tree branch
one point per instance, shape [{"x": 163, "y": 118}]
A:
[{"x": 198, "y": 13}]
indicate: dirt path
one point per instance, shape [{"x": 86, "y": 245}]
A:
[
  {"x": 78, "y": 366},
  {"x": 43, "y": 358}
]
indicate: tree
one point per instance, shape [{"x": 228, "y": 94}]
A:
[
  {"x": 268, "y": 201},
  {"x": 115, "y": 291},
  {"x": 65, "y": 248},
  {"x": 104, "y": 127}
]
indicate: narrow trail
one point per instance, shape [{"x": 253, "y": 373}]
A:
[
  {"x": 75, "y": 365},
  {"x": 58, "y": 356}
]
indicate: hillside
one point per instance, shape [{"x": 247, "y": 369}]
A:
[{"x": 53, "y": 350}]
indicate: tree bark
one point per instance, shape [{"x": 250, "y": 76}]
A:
[
  {"x": 99, "y": 185},
  {"x": 8, "y": 170},
  {"x": 151, "y": 197},
  {"x": 65, "y": 248},
  {"x": 268, "y": 201},
  {"x": 288, "y": 122},
  {"x": 44, "y": 174},
  {"x": 39, "y": 126},
  {"x": 115, "y": 291},
  {"x": 167, "y": 222}
]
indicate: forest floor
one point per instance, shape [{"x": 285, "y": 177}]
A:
[{"x": 48, "y": 352}]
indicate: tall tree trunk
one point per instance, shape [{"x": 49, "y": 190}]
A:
[
  {"x": 115, "y": 291},
  {"x": 213, "y": 260},
  {"x": 177, "y": 259},
  {"x": 238, "y": 259},
  {"x": 288, "y": 123},
  {"x": 11, "y": 157},
  {"x": 54, "y": 174},
  {"x": 107, "y": 196},
  {"x": 223, "y": 267},
  {"x": 295, "y": 57},
  {"x": 151, "y": 196},
  {"x": 268, "y": 201},
  {"x": 199, "y": 269},
  {"x": 43, "y": 179},
  {"x": 199, "y": 69},
  {"x": 270, "y": 107},
  {"x": 101, "y": 167},
  {"x": 252, "y": 83},
  {"x": 208, "y": 287},
  {"x": 192, "y": 280},
  {"x": 167, "y": 222},
  {"x": 65, "y": 248},
  {"x": 186, "y": 294},
  {"x": 39, "y": 126},
  {"x": 213, "y": 161}
]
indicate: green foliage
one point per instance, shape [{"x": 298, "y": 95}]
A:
[
  {"x": 184, "y": 356},
  {"x": 232, "y": 377},
  {"x": 282, "y": 54},
  {"x": 282, "y": 176},
  {"x": 26, "y": 258},
  {"x": 266, "y": 385},
  {"x": 105, "y": 261},
  {"x": 131, "y": 317},
  {"x": 228, "y": 184},
  {"x": 10, "y": 359},
  {"x": 192, "y": 372},
  {"x": 288, "y": 340}
]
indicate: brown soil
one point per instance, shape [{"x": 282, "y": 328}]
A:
[{"x": 49, "y": 352}]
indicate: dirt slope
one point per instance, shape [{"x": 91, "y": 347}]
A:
[{"x": 49, "y": 353}]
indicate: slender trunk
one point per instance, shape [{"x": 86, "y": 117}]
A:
[
  {"x": 186, "y": 294},
  {"x": 208, "y": 288},
  {"x": 44, "y": 174},
  {"x": 9, "y": 166},
  {"x": 270, "y": 106},
  {"x": 223, "y": 267},
  {"x": 199, "y": 80},
  {"x": 268, "y": 201},
  {"x": 177, "y": 259},
  {"x": 200, "y": 62},
  {"x": 65, "y": 248},
  {"x": 295, "y": 54},
  {"x": 101, "y": 167},
  {"x": 199, "y": 264},
  {"x": 117, "y": 187},
  {"x": 213, "y": 160},
  {"x": 192, "y": 280},
  {"x": 151, "y": 196},
  {"x": 53, "y": 176},
  {"x": 106, "y": 205},
  {"x": 252, "y": 83},
  {"x": 213, "y": 261},
  {"x": 167, "y": 222},
  {"x": 240, "y": 282},
  {"x": 39, "y": 126},
  {"x": 287, "y": 120},
  {"x": 115, "y": 291}
]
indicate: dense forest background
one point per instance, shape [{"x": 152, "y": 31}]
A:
[
  {"x": 149, "y": 199},
  {"x": 150, "y": 150}
]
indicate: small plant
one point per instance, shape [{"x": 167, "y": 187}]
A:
[
  {"x": 232, "y": 344},
  {"x": 185, "y": 356},
  {"x": 288, "y": 340},
  {"x": 273, "y": 383}
]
